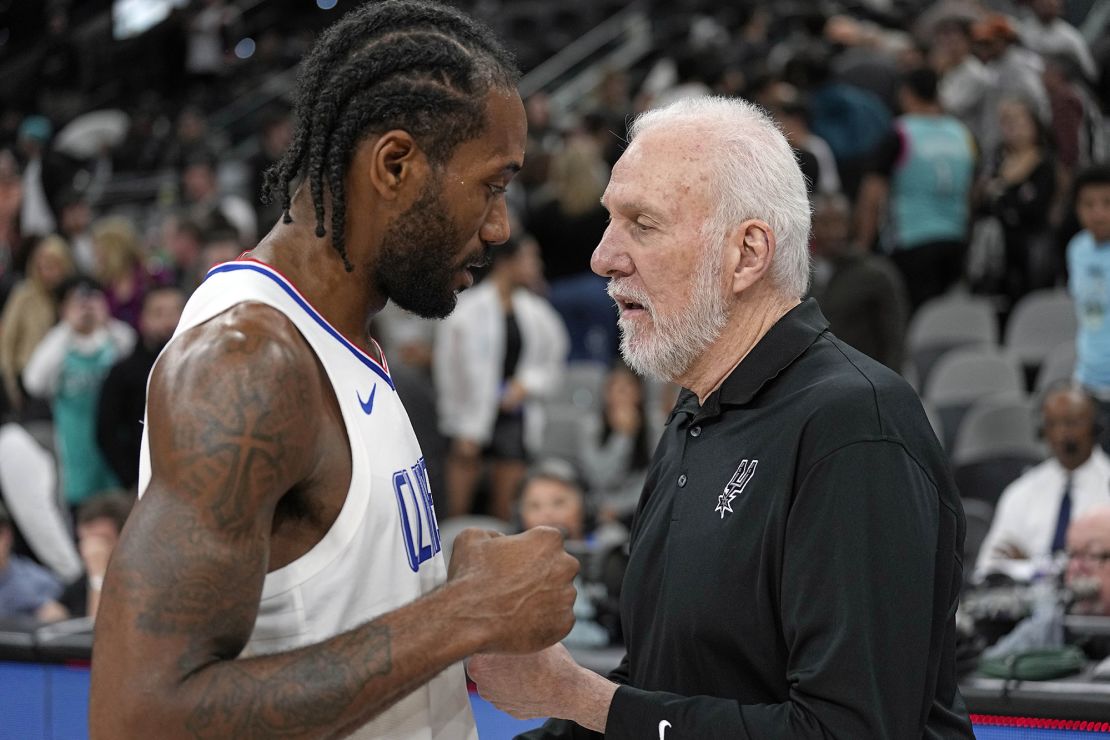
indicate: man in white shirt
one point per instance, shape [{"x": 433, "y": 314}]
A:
[
  {"x": 1035, "y": 510},
  {"x": 1046, "y": 33}
]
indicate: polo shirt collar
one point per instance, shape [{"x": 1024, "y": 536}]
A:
[{"x": 785, "y": 342}]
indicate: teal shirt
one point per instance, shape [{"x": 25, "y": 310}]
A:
[
  {"x": 931, "y": 181},
  {"x": 1089, "y": 285},
  {"x": 84, "y": 471}
]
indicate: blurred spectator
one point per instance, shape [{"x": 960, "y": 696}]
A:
[
  {"x": 1089, "y": 559},
  {"x": 1018, "y": 188},
  {"x": 496, "y": 356},
  {"x": 220, "y": 245},
  {"x": 616, "y": 445},
  {"x": 863, "y": 297},
  {"x": 202, "y": 201},
  {"x": 100, "y": 521},
  {"x": 26, "y": 589},
  {"x": 209, "y": 25},
  {"x": 122, "y": 402},
  {"x": 68, "y": 368},
  {"x": 1046, "y": 33},
  {"x": 1089, "y": 283},
  {"x": 551, "y": 496},
  {"x": 75, "y": 219},
  {"x": 192, "y": 140},
  {"x": 30, "y": 312},
  {"x": 1015, "y": 72},
  {"x": 11, "y": 205},
  {"x": 276, "y": 135},
  {"x": 59, "y": 69},
  {"x": 791, "y": 111},
  {"x": 184, "y": 241},
  {"x": 922, "y": 178},
  {"x": 964, "y": 80},
  {"x": 43, "y": 177},
  {"x": 121, "y": 268},
  {"x": 1033, "y": 513},
  {"x": 568, "y": 221}
]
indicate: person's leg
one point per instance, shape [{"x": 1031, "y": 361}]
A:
[
  {"x": 505, "y": 479},
  {"x": 464, "y": 466}
]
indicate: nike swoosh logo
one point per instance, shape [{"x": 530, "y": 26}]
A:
[
  {"x": 663, "y": 725},
  {"x": 368, "y": 404}
]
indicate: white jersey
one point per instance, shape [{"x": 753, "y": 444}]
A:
[{"x": 383, "y": 550}]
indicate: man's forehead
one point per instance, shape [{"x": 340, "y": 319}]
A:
[{"x": 671, "y": 175}]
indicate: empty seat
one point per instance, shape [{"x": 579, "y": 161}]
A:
[
  {"x": 562, "y": 432},
  {"x": 945, "y": 323},
  {"x": 1040, "y": 322},
  {"x": 1058, "y": 365},
  {"x": 966, "y": 375},
  {"x": 583, "y": 385}
]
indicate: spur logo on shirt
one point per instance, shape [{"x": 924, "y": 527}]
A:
[
  {"x": 735, "y": 486},
  {"x": 418, "y": 514}
]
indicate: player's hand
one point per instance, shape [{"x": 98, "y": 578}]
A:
[
  {"x": 519, "y": 587},
  {"x": 526, "y": 686}
]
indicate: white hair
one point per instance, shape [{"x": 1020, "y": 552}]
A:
[{"x": 756, "y": 174}]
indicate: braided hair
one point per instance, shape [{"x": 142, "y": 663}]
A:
[{"x": 413, "y": 65}]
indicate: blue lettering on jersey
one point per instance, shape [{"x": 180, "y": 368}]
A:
[{"x": 418, "y": 516}]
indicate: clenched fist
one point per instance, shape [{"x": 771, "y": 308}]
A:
[{"x": 520, "y": 588}]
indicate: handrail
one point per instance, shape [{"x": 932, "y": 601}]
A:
[{"x": 541, "y": 77}]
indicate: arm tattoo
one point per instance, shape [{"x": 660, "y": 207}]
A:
[{"x": 240, "y": 703}]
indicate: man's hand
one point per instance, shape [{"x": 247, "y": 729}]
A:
[
  {"x": 1010, "y": 550},
  {"x": 519, "y": 587},
  {"x": 514, "y": 396},
  {"x": 544, "y": 684}
]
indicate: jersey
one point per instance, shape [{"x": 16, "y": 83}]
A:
[
  {"x": 383, "y": 550},
  {"x": 1089, "y": 285},
  {"x": 932, "y": 180}
]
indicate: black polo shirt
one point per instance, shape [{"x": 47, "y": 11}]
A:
[{"x": 795, "y": 559}]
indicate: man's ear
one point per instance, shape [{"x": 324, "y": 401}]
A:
[
  {"x": 755, "y": 242},
  {"x": 393, "y": 163}
]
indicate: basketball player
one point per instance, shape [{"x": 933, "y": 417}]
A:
[{"x": 281, "y": 575}]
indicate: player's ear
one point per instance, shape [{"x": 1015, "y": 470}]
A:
[{"x": 394, "y": 162}]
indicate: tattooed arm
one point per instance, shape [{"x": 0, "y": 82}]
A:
[{"x": 236, "y": 410}]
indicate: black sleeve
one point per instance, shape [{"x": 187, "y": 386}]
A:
[
  {"x": 109, "y": 423},
  {"x": 567, "y": 730},
  {"x": 886, "y": 154},
  {"x": 857, "y": 614}
]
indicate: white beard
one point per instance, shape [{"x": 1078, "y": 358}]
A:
[{"x": 663, "y": 346}]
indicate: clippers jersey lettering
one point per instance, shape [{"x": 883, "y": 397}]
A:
[{"x": 383, "y": 551}]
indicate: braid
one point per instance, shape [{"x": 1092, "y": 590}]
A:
[{"x": 400, "y": 64}]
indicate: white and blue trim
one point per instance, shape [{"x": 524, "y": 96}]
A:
[{"x": 263, "y": 269}]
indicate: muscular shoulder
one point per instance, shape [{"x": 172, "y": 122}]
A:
[{"x": 237, "y": 394}]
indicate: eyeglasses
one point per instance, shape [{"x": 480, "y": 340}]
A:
[{"x": 1093, "y": 559}]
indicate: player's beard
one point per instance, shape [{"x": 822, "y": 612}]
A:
[
  {"x": 415, "y": 270},
  {"x": 668, "y": 345}
]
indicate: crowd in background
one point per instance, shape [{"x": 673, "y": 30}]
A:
[{"x": 941, "y": 142}]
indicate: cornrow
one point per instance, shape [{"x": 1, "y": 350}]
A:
[{"x": 400, "y": 64}]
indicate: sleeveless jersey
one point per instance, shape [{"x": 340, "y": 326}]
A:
[{"x": 383, "y": 550}]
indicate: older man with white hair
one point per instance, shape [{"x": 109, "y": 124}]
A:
[{"x": 795, "y": 566}]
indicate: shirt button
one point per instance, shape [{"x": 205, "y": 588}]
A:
[
  {"x": 695, "y": 431},
  {"x": 682, "y": 481}
]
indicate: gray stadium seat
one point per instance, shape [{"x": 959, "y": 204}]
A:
[
  {"x": 583, "y": 386},
  {"x": 995, "y": 444},
  {"x": 1039, "y": 323},
  {"x": 965, "y": 375},
  {"x": 978, "y": 514},
  {"x": 562, "y": 432},
  {"x": 1058, "y": 365},
  {"x": 945, "y": 323}
]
